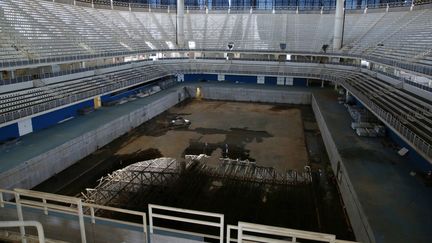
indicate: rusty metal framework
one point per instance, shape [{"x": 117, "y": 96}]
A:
[
  {"x": 249, "y": 171},
  {"x": 115, "y": 188},
  {"x": 118, "y": 188}
]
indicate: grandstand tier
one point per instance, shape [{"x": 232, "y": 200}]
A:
[
  {"x": 64, "y": 59},
  {"x": 45, "y": 31}
]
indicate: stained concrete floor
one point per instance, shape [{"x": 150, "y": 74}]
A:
[
  {"x": 397, "y": 205},
  {"x": 270, "y": 135}
]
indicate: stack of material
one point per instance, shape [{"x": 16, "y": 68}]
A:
[
  {"x": 366, "y": 132},
  {"x": 380, "y": 130},
  {"x": 365, "y": 123},
  {"x": 155, "y": 89},
  {"x": 150, "y": 91},
  {"x": 355, "y": 125},
  {"x": 359, "y": 114},
  {"x": 366, "y": 129}
]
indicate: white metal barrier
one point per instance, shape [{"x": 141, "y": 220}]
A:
[
  {"x": 48, "y": 202},
  {"x": 39, "y": 228},
  {"x": 246, "y": 232},
  {"x": 218, "y": 224},
  {"x": 276, "y": 234}
]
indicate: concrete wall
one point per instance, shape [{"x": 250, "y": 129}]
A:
[
  {"x": 40, "y": 168},
  {"x": 283, "y": 96},
  {"x": 358, "y": 219},
  {"x": 34, "y": 171}
]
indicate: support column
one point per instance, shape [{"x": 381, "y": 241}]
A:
[
  {"x": 180, "y": 27},
  {"x": 339, "y": 25}
]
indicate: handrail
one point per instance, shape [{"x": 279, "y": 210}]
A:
[
  {"x": 26, "y": 111},
  {"x": 79, "y": 70},
  {"x": 294, "y": 7},
  {"x": 44, "y": 201},
  {"x": 229, "y": 230},
  {"x": 39, "y": 227},
  {"x": 294, "y": 71},
  {"x": 294, "y": 234},
  {"x": 219, "y": 224},
  {"x": 396, "y": 63},
  {"x": 416, "y": 141},
  {"x": 242, "y": 227}
]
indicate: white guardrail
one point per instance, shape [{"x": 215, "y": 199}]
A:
[
  {"x": 59, "y": 206},
  {"x": 248, "y": 232},
  {"x": 412, "y": 138},
  {"x": 28, "y": 202},
  {"x": 219, "y": 218},
  {"x": 39, "y": 228}
]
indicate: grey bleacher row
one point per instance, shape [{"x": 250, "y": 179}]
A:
[
  {"x": 409, "y": 113},
  {"x": 415, "y": 113},
  {"x": 37, "y": 29},
  {"x": 66, "y": 72},
  {"x": 22, "y": 103}
]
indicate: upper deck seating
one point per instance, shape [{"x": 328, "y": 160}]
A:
[{"x": 39, "y": 29}]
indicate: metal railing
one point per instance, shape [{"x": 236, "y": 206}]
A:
[
  {"x": 37, "y": 225},
  {"x": 65, "y": 72},
  {"x": 294, "y": 7},
  {"x": 218, "y": 221},
  {"x": 78, "y": 70},
  {"x": 57, "y": 206},
  {"x": 73, "y": 98},
  {"x": 266, "y": 233},
  {"x": 396, "y": 63},
  {"x": 420, "y": 144},
  {"x": 417, "y": 142}
]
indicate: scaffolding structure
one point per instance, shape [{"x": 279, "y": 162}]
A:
[
  {"x": 118, "y": 188},
  {"x": 115, "y": 188}
]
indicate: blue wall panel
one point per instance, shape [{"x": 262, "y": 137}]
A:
[
  {"x": 271, "y": 80},
  {"x": 105, "y": 98},
  {"x": 52, "y": 118},
  {"x": 299, "y": 82},
  {"x": 358, "y": 103},
  {"x": 241, "y": 79},
  {"x": 199, "y": 77},
  {"x": 416, "y": 159},
  {"x": 9, "y": 132}
]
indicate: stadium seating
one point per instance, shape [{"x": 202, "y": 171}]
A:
[
  {"x": 17, "y": 104},
  {"x": 403, "y": 36},
  {"x": 39, "y": 29},
  {"x": 413, "y": 111},
  {"x": 45, "y": 31}
]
